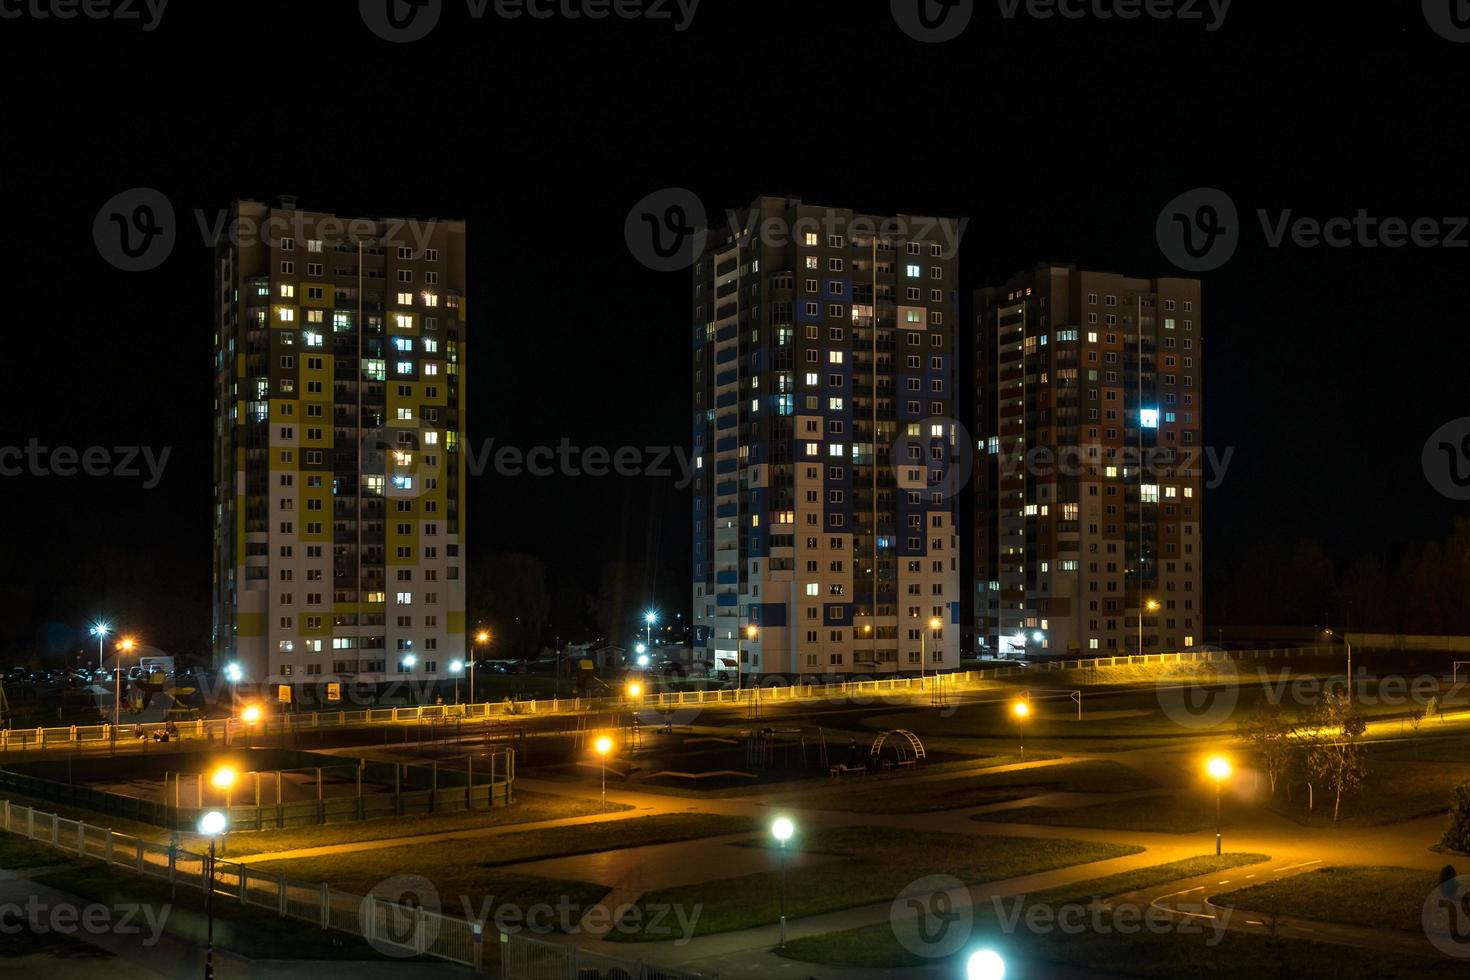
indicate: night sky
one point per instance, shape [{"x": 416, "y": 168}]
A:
[{"x": 1327, "y": 368}]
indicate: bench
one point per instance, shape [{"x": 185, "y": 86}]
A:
[{"x": 842, "y": 770}]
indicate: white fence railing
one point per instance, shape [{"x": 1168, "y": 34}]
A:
[
  {"x": 391, "y": 928},
  {"x": 769, "y": 691}
]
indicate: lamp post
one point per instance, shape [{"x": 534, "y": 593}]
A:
[
  {"x": 211, "y": 825},
  {"x": 1149, "y": 605},
  {"x": 751, "y": 632},
  {"x": 407, "y": 661},
  {"x": 1219, "y": 769},
  {"x": 1347, "y": 643},
  {"x": 603, "y": 746},
  {"x": 100, "y": 630},
  {"x": 1021, "y": 709},
  {"x": 934, "y": 624},
  {"x": 223, "y": 779},
  {"x": 483, "y": 639},
  {"x": 126, "y": 646},
  {"x": 456, "y": 667},
  {"x": 782, "y": 830},
  {"x": 233, "y": 674},
  {"x": 649, "y": 618}
]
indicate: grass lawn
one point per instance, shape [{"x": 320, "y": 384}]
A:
[
  {"x": 254, "y": 932},
  {"x": 876, "y": 947},
  {"x": 1165, "y": 814},
  {"x": 1202, "y": 954},
  {"x": 1384, "y": 898},
  {"x": 904, "y": 794},
  {"x": 528, "y": 807},
  {"x": 1394, "y": 791},
  {"x": 875, "y": 864},
  {"x": 472, "y": 869}
]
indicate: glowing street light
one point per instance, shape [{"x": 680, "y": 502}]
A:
[
  {"x": 782, "y": 829},
  {"x": 211, "y": 825},
  {"x": 934, "y": 624},
  {"x": 985, "y": 964},
  {"x": 751, "y": 632},
  {"x": 126, "y": 645},
  {"x": 1021, "y": 709},
  {"x": 251, "y": 714},
  {"x": 635, "y": 690},
  {"x": 482, "y": 638},
  {"x": 1149, "y": 605},
  {"x": 1219, "y": 770},
  {"x": 603, "y": 745},
  {"x": 456, "y": 667},
  {"x": 100, "y": 630},
  {"x": 649, "y": 618},
  {"x": 223, "y": 779}
]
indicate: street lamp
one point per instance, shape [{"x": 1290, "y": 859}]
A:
[
  {"x": 233, "y": 674},
  {"x": 649, "y": 618},
  {"x": 405, "y": 666},
  {"x": 1021, "y": 709},
  {"x": 750, "y": 632},
  {"x": 483, "y": 639},
  {"x": 603, "y": 746},
  {"x": 782, "y": 830},
  {"x": 126, "y": 646},
  {"x": 211, "y": 825},
  {"x": 985, "y": 964},
  {"x": 223, "y": 779},
  {"x": 1347, "y": 643},
  {"x": 934, "y": 624},
  {"x": 456, "y": 667},
  {"x": 1149, "y": 605},
  {"x": 100, "y": 630},
  {"x": 1219, "y": 769},
  {"x": 251, "y": 714},
  {"x": 635, "y": 690}
]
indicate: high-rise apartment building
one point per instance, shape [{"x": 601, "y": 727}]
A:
[
  {"x": 338, "y": 476},
  {"x": 824, "y": 385},
  {"x": 1088, "y": 502}
]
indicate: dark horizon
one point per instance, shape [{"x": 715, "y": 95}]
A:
[{"x": 1057, "y": 140}]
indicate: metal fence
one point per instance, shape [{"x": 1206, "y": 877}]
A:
[
  {"x": 769, "y": 691},
  {"x": 393, "y": 929}
]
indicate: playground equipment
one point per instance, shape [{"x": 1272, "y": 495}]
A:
[{"x": 907, "y": 749}]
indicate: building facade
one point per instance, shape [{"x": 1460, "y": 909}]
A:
[
  {"x": 1088, "y": 503},
  {"x": 824, "y": 382},
  {"x": 340, "y": 348}
]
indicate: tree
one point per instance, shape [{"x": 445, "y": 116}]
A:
[
  {"x": 1457, "y": 834},
  {"x": 508, "y": 593},
  {"x": 1335, "y": 757},
  {"x": 1267, "y": 731}
]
